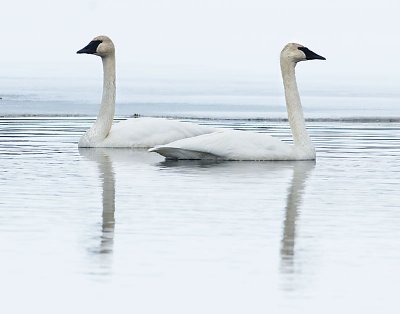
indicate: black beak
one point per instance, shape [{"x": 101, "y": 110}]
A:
[
  {"x": 91, "y": 48},
  {"x": 311, "y": 55}
]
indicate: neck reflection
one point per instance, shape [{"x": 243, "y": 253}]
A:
[
  {"x": 301, "y": 172},
  {"x": 108, "y": 219},
  {"x": 104, "y": 163}
]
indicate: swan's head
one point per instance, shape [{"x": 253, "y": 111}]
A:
[
  {"x": 100, "y": 46},
  {"x": 296, "y": 53}
]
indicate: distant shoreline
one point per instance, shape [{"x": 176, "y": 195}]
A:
[{"x": 91, "y": 117}]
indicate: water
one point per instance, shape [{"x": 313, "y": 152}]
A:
[
  {"x": 213, "y": 98},
  {"x": 124, "y": 231}
]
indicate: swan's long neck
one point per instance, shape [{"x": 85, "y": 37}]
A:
[
  {"x": 293, "y": 105},
  {"x": 104, "y": 120}
]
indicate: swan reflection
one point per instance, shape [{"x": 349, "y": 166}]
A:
[
  {"x": 269, "y": 174},
  {"x": 301, "y": 171},
  {"x": 108, "y": 196},
  {"x": 266, "y": 175},
  {"x": 104, "y": 158},
  {"x": 104, "y": 163}
]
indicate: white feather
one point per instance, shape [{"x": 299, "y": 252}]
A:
[
  {"x": 136, "y": 132},
  {"x": 242, "y": 145}
]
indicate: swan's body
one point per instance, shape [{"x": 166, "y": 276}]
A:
[
  {"x": 143, "y": 133},
  {"x": 233, "y": 145},
  {"x": 242, "y": 145},
  {"x": 135, "y": 132}
]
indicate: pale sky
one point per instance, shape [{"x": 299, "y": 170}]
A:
[{"x": 201, "y": 38}]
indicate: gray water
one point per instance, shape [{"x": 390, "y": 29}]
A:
[
  {"x": 124, "y": 231},
  {"x": 212, "y": 98}
]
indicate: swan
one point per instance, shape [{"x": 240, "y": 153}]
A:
[
  {"x": 242, "y": 145},
  {"x": 134, "y": 132}
]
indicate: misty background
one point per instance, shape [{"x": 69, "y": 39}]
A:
[{"x": 208, "y": 47}]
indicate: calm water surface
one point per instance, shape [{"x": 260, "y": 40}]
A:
[{"x": 123, "y": 231}]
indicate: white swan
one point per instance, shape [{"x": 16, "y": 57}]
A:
[
  {"x": 242, "y": 145},
  {"x": 136, "y": 132}
]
